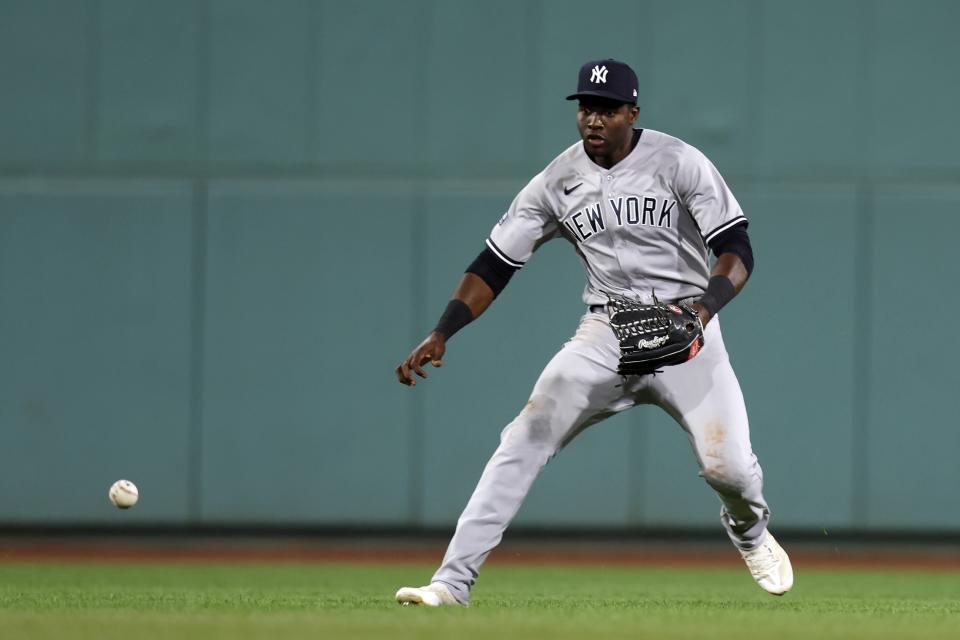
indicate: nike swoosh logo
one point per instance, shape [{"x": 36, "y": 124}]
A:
[{"x": 567, "y": 192}]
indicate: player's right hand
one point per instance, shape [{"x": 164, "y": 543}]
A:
[{"x": 430, "y": 350}]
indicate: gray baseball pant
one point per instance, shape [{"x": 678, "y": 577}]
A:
[{"x": 580, "y": 387}]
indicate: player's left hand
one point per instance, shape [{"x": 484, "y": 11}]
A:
[{"x": 702, "y": 313}]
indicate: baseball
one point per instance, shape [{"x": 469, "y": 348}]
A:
[{"x": 123, "y": 494}]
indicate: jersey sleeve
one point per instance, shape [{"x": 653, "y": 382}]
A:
[
  {"x": 706, "y": 196},
  {"x": 526, "y": 225}
]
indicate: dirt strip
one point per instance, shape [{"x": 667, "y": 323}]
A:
[{"x": 508, "y": 554}]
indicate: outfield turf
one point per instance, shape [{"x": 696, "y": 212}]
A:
[{"x": 207, "y": 601}]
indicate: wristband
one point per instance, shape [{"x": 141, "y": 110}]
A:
[
  {"x": 456, "y": 316},
  {"x": 720, "y": 291}
]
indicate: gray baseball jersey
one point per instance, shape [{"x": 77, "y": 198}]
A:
[{"x": 640, "y": 228}]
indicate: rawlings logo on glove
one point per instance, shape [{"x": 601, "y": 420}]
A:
[
  {"x": 653, "y": 342},
  {"x": 653, "y": 336}
]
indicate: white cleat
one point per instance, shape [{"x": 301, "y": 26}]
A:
[
  {"x": 770, "y": 566},
  {"x": 435, "y": 594}
]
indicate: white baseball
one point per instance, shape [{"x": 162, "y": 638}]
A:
[{"x": 123, "y": 494}]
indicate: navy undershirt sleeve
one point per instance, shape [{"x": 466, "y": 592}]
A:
[
  {"x": 734, "y": 240},
  {"x": 492, "y": 270}
]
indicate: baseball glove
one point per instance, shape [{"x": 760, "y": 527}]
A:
[{"x": 655, "y": 335}]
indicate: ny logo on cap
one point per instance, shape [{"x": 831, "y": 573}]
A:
[{"x": 599, "y": 74}]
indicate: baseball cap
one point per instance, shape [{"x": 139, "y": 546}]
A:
[{"x": 607, "y": 78}]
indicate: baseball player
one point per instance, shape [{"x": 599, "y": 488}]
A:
[{"x": 642, "y": 210}]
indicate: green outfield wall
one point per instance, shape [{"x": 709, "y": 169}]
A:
[{"x": 224, "y": 222}]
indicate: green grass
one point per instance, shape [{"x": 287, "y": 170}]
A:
[{"x": 331, "y": 601}]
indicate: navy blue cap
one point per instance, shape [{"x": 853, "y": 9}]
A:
[{"x": 608, "y": 78}]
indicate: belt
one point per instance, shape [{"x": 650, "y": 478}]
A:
[{"x": 597, "y": 308}]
